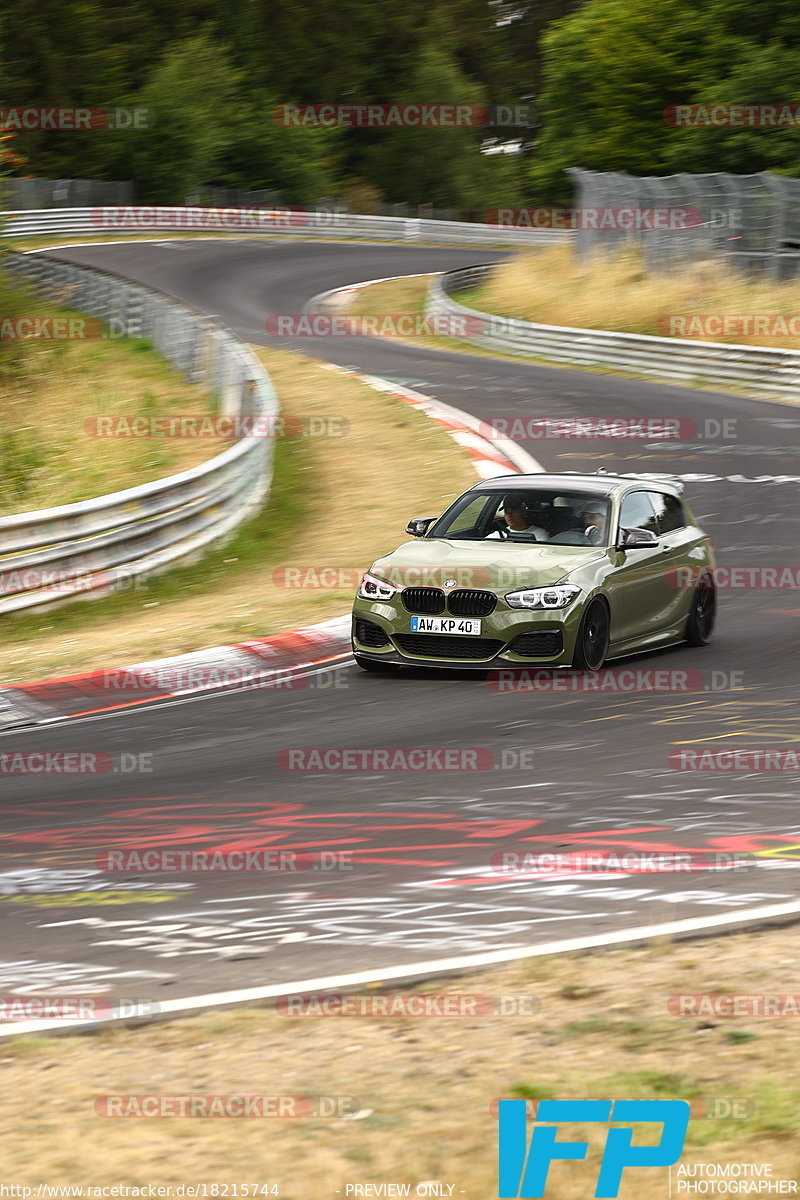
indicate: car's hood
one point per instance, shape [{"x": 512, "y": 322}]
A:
[{"x": 486, "y": 564}]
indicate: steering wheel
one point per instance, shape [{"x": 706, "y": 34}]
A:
[
  {"x": 592, "y": 535},
  {"x": 499, "y": 526}
]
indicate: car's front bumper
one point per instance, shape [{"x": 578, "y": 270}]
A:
[{"x": 503, "y": 629}]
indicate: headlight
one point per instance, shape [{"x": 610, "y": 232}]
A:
[
  {"x": 558, "y": 596},
  {"x": 372, "y": 588}
]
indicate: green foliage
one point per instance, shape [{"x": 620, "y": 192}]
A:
[
  {"x": 263, "y": 154},
  {"x": 613, "y": 68},
  {"x": 446, "y": 166},
  {"x": 214, "y": 73},
  {"x": 193, "y": 93},
  {"x": 20, "y": 458},
  {"x": 15, "y": 301}
]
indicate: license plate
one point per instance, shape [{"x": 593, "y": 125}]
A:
[{"x": 445, "y": 625}]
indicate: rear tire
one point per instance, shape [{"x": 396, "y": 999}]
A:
[
  {"x": 375, "y": 666},
  {"x": 591, "y": 645},
  {"x": 703, "y": 613}
]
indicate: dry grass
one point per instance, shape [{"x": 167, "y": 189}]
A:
[
  {"x": 551, "y": 287},
  {"x": 403, "y": 297},
  {"x": 424, "y": 1086},
  {"x": 408, "y": 296},
  {"x": 336, "y": 502},
  {"x": 64, "y": 384}
]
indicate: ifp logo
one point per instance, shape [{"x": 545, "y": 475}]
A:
[{"x": 523, "y": 1169}]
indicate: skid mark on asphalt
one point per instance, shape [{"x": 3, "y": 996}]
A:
[
  {"x": 31, "y": 977},
  {"x": 384, "y": 921}
]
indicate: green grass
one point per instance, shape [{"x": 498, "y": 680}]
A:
[{"x": 268, "y": 534}]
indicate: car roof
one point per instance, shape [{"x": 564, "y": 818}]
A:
[{"x": 578, "y": 482}]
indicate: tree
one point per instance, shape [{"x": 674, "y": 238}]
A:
[
  {"x": 212, "y": 71},
  {"x": 438, "y": 166},
  {"x": 193, "y": 94},
  {"x": 613, "y": 69},
  {"x": 298, "y": 163},
  {"x": 57, "y": 55}
]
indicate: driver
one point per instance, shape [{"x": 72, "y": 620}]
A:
[{"x": 515, "y": 512}]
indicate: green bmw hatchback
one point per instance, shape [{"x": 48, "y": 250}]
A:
[{"x": 545, "y": 570}]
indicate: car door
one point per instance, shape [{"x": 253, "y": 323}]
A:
[
  {"x": 678, "y": 537},
  {"x": 647, "y": 598}
]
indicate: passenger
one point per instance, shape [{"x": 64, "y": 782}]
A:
[
  {"x": 593, "y": 518},
  {"x": 590, "y": 525}
]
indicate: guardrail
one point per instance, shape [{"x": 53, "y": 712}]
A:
[
  {"x": 100, "y": 545},
  {"x": 248, "y": 222},
  {"x": 759, "y": 370}
]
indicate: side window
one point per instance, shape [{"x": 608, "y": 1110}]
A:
[
  {"x": 669, "y": 512},
  {"x": 469, "y": 516},
  {"x": 637, "y": 512}
]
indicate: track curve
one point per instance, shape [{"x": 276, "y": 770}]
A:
[{"x": 423, "y": 887}]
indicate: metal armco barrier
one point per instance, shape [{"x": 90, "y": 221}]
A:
[
  {"x": 752, "y": 368},
  {"x": 149, "y": 221},
  {"x": 101, "y": 545}
]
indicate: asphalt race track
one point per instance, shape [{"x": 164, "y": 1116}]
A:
[{"x": 424, "y": 883}]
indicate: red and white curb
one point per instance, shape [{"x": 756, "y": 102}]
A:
[
  {"x": 282, "y": 661},
  {"x": 490, "y": 458}
]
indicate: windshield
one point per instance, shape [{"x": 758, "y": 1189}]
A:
[{"x": 529, "y": 515}]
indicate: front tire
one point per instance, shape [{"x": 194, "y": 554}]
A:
[
  {"x": 375, "y": 666},
  {"x": 703, "y": 613},
  {"x": 591, "y": 646}
]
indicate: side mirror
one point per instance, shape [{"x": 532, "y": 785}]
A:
[
  {"x": 419, "y": 526},
  {"x": 637, "y": 539}
]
